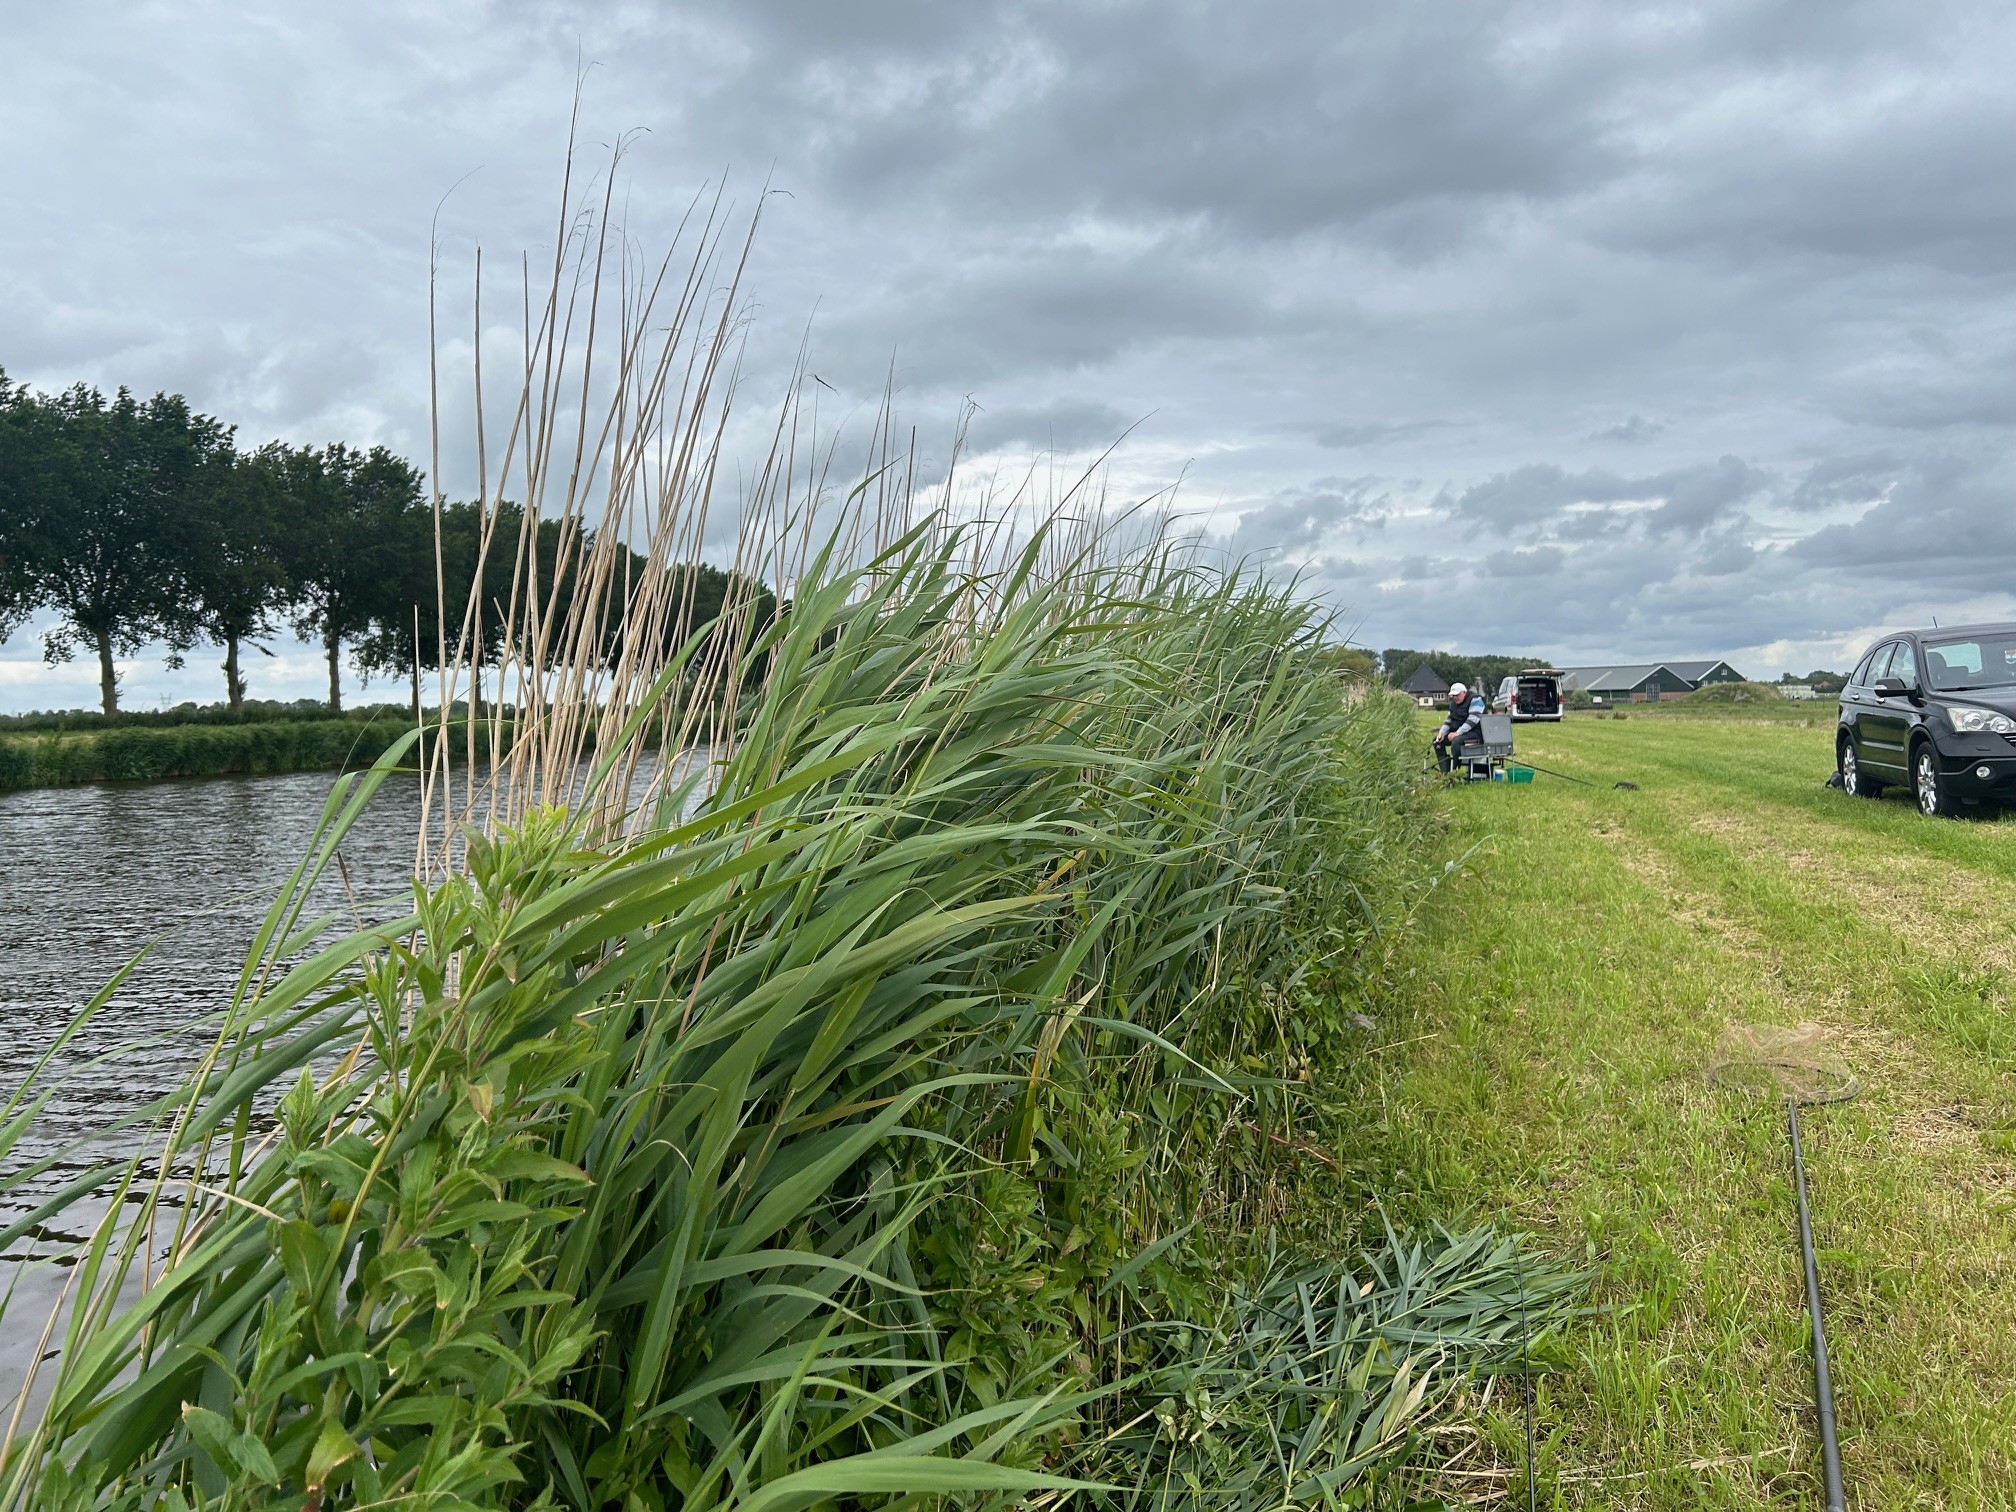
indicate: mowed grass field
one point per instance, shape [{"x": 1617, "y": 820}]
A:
[{"x": 1561, "y": 1000}]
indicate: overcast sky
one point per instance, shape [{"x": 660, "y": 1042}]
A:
[{"x": 1597, "y": 331}]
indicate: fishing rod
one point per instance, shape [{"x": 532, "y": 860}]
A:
[
  {"x": 1788, "y": 1063},
  {"x": 1515, "y": 761},
  {"x": 1823, "y": 1379}
]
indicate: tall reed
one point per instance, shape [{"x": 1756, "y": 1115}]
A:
[{"x": 827, "y": 1121}]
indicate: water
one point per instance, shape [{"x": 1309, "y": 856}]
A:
[{"x": 88, "y": 876}]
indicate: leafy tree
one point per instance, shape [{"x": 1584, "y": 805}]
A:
[
  {"x": 24, "y": 454},
  {"x": 406, "y": 634},
  {"x": 349, "y": 534},
  {"x": 1349, "y": 662},
  {"x": 116, "y": 481},
  {"x": 232, "y": 565},
  {"x": 703, "y": 595},
  {"x": 699, "y": 591}
]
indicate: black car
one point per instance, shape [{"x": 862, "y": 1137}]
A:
[{"x": 1935, "y": 709}]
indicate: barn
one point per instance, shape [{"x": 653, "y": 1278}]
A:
[
  {"x": 1642, "y": 682},
  {"x": 1702, "y": 673}
]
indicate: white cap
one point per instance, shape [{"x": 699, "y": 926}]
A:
[{"x": 1457, "y": 690}]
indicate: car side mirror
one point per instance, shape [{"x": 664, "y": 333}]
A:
[{"x": 1889, "y": 687}]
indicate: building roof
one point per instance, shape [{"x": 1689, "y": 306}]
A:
[
  {"x": 1613, "y": 679},
  {"x": 1695, "y": 671},
  {"x": 1425, "y": 679}
]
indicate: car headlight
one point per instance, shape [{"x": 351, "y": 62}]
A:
[{"x": 1977, "y": 720}]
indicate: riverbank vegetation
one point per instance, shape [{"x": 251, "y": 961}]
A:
[
  {"x": 942, "y": 1108},
  {"x": 261, "y": 747},
  {"x": 924, "y": 1093}
]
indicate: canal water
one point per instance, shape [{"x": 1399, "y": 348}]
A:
[
  {"x": 90, "y": 875},
  {"x": 187, "y": 870}
]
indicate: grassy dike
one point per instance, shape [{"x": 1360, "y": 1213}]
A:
[{"x": 1557, "y": 1007}]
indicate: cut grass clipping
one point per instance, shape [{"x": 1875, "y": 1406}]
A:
[{"x": 900, "y": 1118}]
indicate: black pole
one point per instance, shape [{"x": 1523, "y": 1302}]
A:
[
  {"x": 1515, "y": 761},
  {"x": 1823, "y": 1381}
]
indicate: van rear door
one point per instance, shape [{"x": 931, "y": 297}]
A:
[{"x": 1539, "y": 697}]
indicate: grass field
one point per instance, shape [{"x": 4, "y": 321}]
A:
[{"x": 1558, "y": 1006}]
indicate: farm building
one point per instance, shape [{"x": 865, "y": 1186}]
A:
[
  {"x": 1701, "y": 673},
  {"x": 1426, "y": 686},
  {"x": 1644, "y": 682}
]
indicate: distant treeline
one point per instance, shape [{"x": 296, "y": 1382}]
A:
[
  {"x": 138, "y": 750},
  {"x": 1397, "y": 664},
  {"x": 141, "y": 520}
]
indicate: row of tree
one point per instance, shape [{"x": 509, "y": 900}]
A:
[
  {"x": 1819, "y": 680},
  {"x": 136, "y": 521},
  {"x": 1397, "y": 664}
]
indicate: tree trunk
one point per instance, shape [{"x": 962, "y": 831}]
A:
[
  {"x": 108, "y": 680},
  {"x": 234, "y": 685},
  {"x": 335, "y": 646}
]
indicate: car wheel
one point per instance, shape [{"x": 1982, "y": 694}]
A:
[
  {"x": 1933, "y": 802},
  {"x": 1855, "y": 782}
]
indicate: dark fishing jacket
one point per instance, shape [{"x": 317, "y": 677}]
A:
[{"x": 1466, "y": 722}]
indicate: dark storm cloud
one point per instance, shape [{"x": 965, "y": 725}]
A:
[
  {"x": 1269, "y": 121},
  {"x": 1678, "y": 329}
]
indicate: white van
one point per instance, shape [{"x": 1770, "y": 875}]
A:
[{"x": 1530, "y": 695}]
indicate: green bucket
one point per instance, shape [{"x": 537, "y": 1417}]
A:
[{"x": 1518, "y": 774}]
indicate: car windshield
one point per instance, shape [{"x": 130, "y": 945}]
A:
[{"x": 1983, "y": 661}]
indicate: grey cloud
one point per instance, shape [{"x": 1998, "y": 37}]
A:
[
  {"x": 1343, "y": 435},
  {"x": 1726, "y": 557},
  {"x": 1632, "y": 430},
  {"x": 1845, "y": 480},
  {"x": 1523, "y": 561},
  {"x": 1400, "y": 123},
  {"x": 1685, "y": 499},
  {"x": 1305, "y": 516},
  {"x": 1945, "y": 525},
  {"x": 1058, "y": 310},
  {"x": 1064, "y": 425}
]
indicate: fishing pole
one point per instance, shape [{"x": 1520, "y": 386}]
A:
[
  {"x": 1757, "y": 1060},
  {"x": 1514, "y": 761},
  {"x": 1823, "y": 1380}
]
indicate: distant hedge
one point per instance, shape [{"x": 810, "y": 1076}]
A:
[
  {"x": 255, "y": 711},
  {"x": 128, "y": 753}
]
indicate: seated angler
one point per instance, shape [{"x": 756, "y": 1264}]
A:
[{"x": 1464, "y": 724}]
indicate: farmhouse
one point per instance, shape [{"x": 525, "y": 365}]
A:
[{"x": 1426, "y": 686}]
